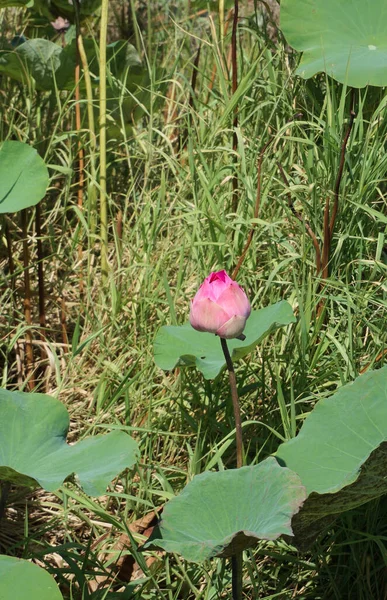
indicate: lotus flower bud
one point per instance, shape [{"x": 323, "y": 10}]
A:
[
  {"x": 61, "y": 25},
  {"x": 220, "y": 306}
]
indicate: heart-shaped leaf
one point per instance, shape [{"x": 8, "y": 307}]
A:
[
  {"x": 346, "y": 39},
  {"x": 23, "y": 177},
  {"x": 340, "y": 453},
  {"x": 184, "y": 347},
  {"x": 52, "y": 66},
  {"x": 20, "y": 579},
  {"x": 219, "y": 514},
  {"x": 37, "y": 58},
  {"x": 33, "y": 448}
]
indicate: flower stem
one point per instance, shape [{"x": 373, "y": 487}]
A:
[
  {"x": 235, "y": 402},
  {"x": 4, "y": 491},
  {"x": 236, "y": 559}
]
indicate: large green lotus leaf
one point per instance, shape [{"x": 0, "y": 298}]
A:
[
  {"x": 50, "y": 65},
  {"x": 53, "y": 67},
  {"x": 20, "y": 579},
  {"x": 23, "y": 177},
  {"x": 347, "y": 39},
  {"x": 33, "y": 448},
  {"x": 184, "y": 347},
  {"x": 38, "y": 58},
  {"x": 340, "y": 453},
  {"x": 219, "y": 514},
  {"x": 130, "y": 92}
]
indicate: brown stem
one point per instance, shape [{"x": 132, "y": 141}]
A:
[
  {"x": 341, "y": 165},
  {"x": 330, "y": 219},
  {"x": 194, "y": 77},
  {"x": 256, "y": 209},
  {"x": 27, "y": 304},
  {"x": 302, "y": 220},
  {"x": 235, "y": 402},
  {"x": 381, "y": 355},
  {"x": 234, "y": 61},
  {"x": 184, "y": 135},
  {"x": 63, "y": 322},
  {"x": 325, "y": 256}
]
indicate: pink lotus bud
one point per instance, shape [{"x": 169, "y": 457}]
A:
[
  {"x": 220, "y": 306},
  {"x": 61, "y": 25}
]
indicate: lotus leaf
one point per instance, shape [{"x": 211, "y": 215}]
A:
[
  {"x": 340, "y": 453},
  {"x": 20, "y": 579},
  {"x": 184, "y": 347},
  {"x": 346, "y": 39},
  {"x": 220, "y": 514},
  {"x": 23, "y": 177},
  {"x": 33, "y": 448}
]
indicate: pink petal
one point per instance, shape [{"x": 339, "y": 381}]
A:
[
  {"x": 206, "y": 315},
  {"x": 219, "y": 275},
  {"x": 211, "y": 288},
  {"x": 232, "y": 328},
  {"x": 234, "y": 301},
  {"x": 219, "y": 282}
]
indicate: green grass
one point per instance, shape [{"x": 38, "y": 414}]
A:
[{"x": 178, "y": 225}]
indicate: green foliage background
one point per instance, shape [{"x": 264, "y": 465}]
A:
[{"x": 170, "y": 186}]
